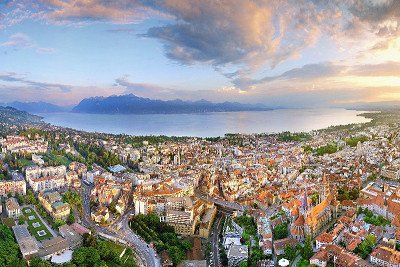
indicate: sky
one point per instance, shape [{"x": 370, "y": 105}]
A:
[{"x": 281, "y": 53}]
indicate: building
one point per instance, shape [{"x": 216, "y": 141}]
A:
[
  {"x": 100, "y": 215},
  {"x": 74, "y": 239},
  {"x": 140, "y": 207},
  {"x": 22, "y": 145},
  {"x": 310, "y": 218},
  {"x": 37, "y": 159},
  {"x": 385, "y": 256},
  {"x": 236, "y": 254},
  {"x": 27, "y": 244},
  {"x": 51, "y": 247},
  {"x": 53, "y": 204},
  {"x": 323, "y": 240},
  {"x": 206, "y": 221},
  {"x": 14, "y": 186},
  {"x": 48, "y": 178},
  {"x": 338, "y": 256},
  {"x": 180, "y": 214},
  {"x": 13, "y": 209}
]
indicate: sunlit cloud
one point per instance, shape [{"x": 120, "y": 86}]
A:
[{"x": 242, "y": 41}]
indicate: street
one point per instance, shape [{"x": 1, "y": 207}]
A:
[{"x": 120, "y": 230}]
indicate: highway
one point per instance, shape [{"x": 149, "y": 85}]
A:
[
  {"x": 216, "y": 261},
  {"x": 120, "y": 231}
]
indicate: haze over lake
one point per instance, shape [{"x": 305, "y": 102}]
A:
[{"x": 208, "y": 124}]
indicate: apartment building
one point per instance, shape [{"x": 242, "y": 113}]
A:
[
  {"x": 48, "y": 178},
  {"x": 53, "y": 204}
]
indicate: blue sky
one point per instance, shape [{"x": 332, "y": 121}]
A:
[{"x": 280, "y": 53}]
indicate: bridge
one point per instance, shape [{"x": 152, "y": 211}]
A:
[{"x": 223, "y": 204}]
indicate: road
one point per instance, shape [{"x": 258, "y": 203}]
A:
[
  {"x": 120, "y": 230},
  {"x": 214, "y": 241}
]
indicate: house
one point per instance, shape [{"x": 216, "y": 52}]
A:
[
  {"x": 13, "y": 209},
  {"x": 53, "y": 204},
  {"x": 323, "y": 239},
  {"x": 51, "y": 247},
  {"x": 100, "y": 215},
  {"x": 385, "y": 256},
  {"x": 279, "y": 245},
  {"x": 74, "y": 239}
]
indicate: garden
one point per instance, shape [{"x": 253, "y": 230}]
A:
[{"x": 35, "y": 225}]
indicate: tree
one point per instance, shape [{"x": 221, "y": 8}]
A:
[
  {"x": 290, "y": 252},
  {"x": 366, "y": 246},
  {"x": 38, "y": 262},
  {"x": 307, "y": 250},
  {"x": 89, "y": 240},
  {"x": 30, "y": 197},
  {"x": 281, "y": 231},
  {"x": 9, "y": 250},
  {"x": 176, "y": 254},
  {"x": 71, "y": 218}
]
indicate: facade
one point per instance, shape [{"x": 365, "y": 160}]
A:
[
  {"x": 49, "y": 178},
  {"x": 15, "y": 186},
  {"x": 22, "y": 145},
  {"x": 12, "y": 208},
  {"x": 74, "y": 239},
  {"x": 53, "y": 204},
  {"x": 385, "y": 256}
]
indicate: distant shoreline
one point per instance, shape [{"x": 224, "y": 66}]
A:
[{"x": 210, "y": 124}]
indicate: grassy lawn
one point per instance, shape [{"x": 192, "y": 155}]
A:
[
  {"x": 127, "y": 258},
  {"x": 25, "y": 162},
  {"x": 59, "y": 160},
  {"x": 31, "y": 228}
]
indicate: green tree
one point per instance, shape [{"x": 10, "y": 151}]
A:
[
  {"x": 307, "y": 250},
  {"x": 290, "y": 252},
  {"x": 281, "y": 231}
]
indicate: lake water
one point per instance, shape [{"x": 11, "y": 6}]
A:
[{"x": 208, "y": 124}]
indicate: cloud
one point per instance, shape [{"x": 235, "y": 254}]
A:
[
  {"x": 311, "y": 72},
  {"x": 141, "y": 89},
  {"x": 117, "y": 11},
  {"x": 236, "y": 31},
  {"x": 22, "y": 41},
  {"x": 15, "y": 78},
  {"x": 247, "y": 34},
  {"x": 18, "y": 40}
]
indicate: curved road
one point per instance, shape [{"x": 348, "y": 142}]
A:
[{"x": 120, "y": 230}]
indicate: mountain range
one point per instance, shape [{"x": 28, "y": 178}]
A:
[
  {"x": 36, "y": 107},
  {"x": 131, "y": 104}
]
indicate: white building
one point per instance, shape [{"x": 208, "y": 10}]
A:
[
  {"x": 48, "y": 178},
  {"x": 13, "y": 209}
]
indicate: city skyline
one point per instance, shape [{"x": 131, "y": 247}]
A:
[{"x": 281, "y": 53}]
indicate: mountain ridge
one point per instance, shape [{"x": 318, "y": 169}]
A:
[
  {"x": 36, "y": 107},
  {"x": 132, "y": 104}
]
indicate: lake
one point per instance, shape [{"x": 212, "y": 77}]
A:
[{"x": 208, "y": 124}]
